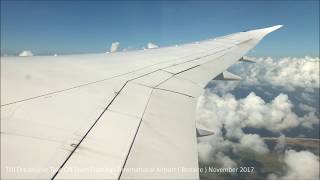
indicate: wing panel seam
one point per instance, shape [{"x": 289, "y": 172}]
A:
[{"x": 135, "y": 135}]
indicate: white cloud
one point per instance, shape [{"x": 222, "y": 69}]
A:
[
  {"x": 151, "y": 45},
  {"x": 274, "y": 116},
  {"x": 281, "y": 145},
  {"x": 254, "y": 142},
  {"x": 299, "y": 165},
  {"x": 214, "y": 149},
  {"x": 26, "y": 53},
  {"x": 227, "y": 116},
  {"x": 286, "y": 72},
  {"x": 302, "y": 165},
  {"x": 220, "y": 114},
  {"x": 251, "y": 111},
  {"x": 114, "y": 47},
  {"x": 310, "y": 119},
  {"x": 225, "y": 161}
]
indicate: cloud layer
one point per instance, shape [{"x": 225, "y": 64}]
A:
[
  {"x": 289, "y": 72},
  {"x": 251, "y": 111},
  {"x": 286, "y": 73},
  {"x": 227, "y": 116}
]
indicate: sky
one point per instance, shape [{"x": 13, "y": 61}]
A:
[{"x": 47, "y": 27}]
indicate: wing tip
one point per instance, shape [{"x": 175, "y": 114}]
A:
[
  {"x": 264, "y": 31},
  {"x": 271, "y": 29}
]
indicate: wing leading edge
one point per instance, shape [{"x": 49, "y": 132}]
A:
[{"x": 138, "y": 123}]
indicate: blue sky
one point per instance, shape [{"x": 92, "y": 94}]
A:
[{"x": 47, "y": 27}]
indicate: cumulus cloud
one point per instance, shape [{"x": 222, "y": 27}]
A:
[
  {"x": 225, "y": 161},
  {"x": 114, "y": 47},
  {"x": 151, "y": 45},
  {"x": 298, "y": 77},
  {"x": 221, "y": 114},
  {"x": 299, "y": 165},
  {"x": 251, "y": 111},
  {"x": 228, "y": 116},
  {"x": 254, "y": 142},
  {"x": 26, "y": 53},
  {"x": 310, "y": 119},
  {"x": 286, "y": 72}
]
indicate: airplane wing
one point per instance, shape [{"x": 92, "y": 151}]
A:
[{"x": 126, "y": 115}]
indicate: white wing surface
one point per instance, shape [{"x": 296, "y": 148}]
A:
[{"x": 126, "y": 115}]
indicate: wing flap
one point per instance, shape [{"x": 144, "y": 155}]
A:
[
  {"x": 153, "y": 79},
  {"x": 165, "y": 144},
  {"x": 181, "y": 86},
  {"x": 102, "y": 153},
  {"x": 131, "y": 100}
]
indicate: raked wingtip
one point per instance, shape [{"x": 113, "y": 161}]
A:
[
  {"x": 273, "y": 28},
  {"x": 277, "y": 27}
]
